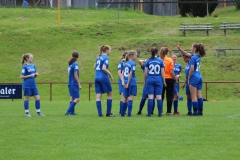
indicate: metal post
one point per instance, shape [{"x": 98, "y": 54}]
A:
[
  {"x": 59, "y": 12},
  {"x": 50, "y": 91},
  {"x": 207, "y": 9},
  {"x": 118, "y": 11}
]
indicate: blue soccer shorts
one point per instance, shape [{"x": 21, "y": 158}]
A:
[
  {"x": 102, "y": 85},
  {"x": 30, "y": 91},
  {"x": 74, "y": 91},
  {"x": 130, "y": 91}
]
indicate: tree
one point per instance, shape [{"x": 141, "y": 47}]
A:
[
  {"x": 237, "y": 4},
  {"x": 196, "y": 9}
]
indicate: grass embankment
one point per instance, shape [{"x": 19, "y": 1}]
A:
[{"x": 36, "y": 30}]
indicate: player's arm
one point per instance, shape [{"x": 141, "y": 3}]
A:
[
  {"x": 141, "y": 62},
  {"x": 183, "y": 52},
  {"x": 104, "y": 68},
  {"x": 163, "y": 76},
  {"x": 129, "y": 79},
  {"x": 77, "y": 79},
  {"x": 190, "y": 72},
  {"x": 94, "y": 66},
  {"x": 145, "y": 74},
  {"x": 120, "y": 74}
]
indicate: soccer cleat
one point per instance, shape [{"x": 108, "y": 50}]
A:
[
  {"x": 148, "y": 115},
  {"x": 168, "y": 114},
  {"x": 100, "y": 115},
  {"x": 67, "y": 114},
  {"x": 110, "y": 115},
  {"x": 176, "y": 113},
  {"x": 73, "y": 114},
  {"x": 40, "y": 114},
  {"x": 189, "y": 114},
  {"x": 139, "y": 113},
  {"x": 28, "y": 115},
  {"x": 200, "y": 114},
  {"x": 160, "y": 115}
]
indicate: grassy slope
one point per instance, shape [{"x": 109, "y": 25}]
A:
[{"x": 85, "y": 30}]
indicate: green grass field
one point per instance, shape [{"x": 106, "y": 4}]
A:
[{"x": 87, "y": 136}]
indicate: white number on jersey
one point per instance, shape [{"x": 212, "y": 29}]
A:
[
  {"x": 126, "y": 72},
  {"x": 98, "y": 65},
  {"x": 198, "y": 67},
  {"x": 154, "y": 69}
]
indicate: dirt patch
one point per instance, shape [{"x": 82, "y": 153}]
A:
[{"x": 21, "y": 18}]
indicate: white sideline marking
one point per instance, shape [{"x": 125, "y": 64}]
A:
[{"x": 233, "y": 116}]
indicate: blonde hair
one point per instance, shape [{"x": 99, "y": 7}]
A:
[
  {"x": 163, "y": 52},
  {"x": 25, "y": 57},
  {"x": 130, "y": 54}
]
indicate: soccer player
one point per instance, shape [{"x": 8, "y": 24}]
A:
[
  {"x": 195, "y": 78},
  {"x": 129, "y": 82},
  {"x": 169, "y": 78},
  {"x": 28, "y": 75},
  {"x": 177, "y": 71},
  {"x": 187, "y": 58},
  {"x": 144, "y": 91},
  {"x": 120, "y": 87},
  {"x": 154, "y": 77},
  {"x": 73, "y": 83},
  {"x": 102, "y": 82}
]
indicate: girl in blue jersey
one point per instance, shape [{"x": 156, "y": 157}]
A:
[
  {"x": 120, "y": 87},
  {"x": 177, "y": 72},
  {"x": 144, "y": 91},
  {"x": 186, "y": 59},
  {"x": 73, "y": 83},
  {"x": 102, "y": 82},
  {"x": 154, "y": 79},
  {"x": 129, "y": 83},
  {"x": 195, "y": 78},
  {"x": 28, "y": 75}
]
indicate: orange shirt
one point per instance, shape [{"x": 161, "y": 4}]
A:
[{"x": 168, "y": 62}]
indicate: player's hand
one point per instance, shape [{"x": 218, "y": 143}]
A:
[
  {"x": 165, "y": 85},
  {"x": 36, "y": 74},
  {"x": 183, "y": 86},
  {"x": 178, "y": 45},
  {"x": 126, "y": 86},
  {"x": 110, "y": 76},
  {"x": 79, "y": 87}
]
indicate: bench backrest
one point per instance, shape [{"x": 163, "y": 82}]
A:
[
  {"x": 206, "y": 25},
  {"x": 229, "y": 24}
]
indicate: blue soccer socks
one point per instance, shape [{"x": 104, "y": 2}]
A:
[{"x": 26, "y": 106}]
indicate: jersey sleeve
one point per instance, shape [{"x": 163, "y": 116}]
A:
[
  {"x": 76, "y": 67},
  {"x": 119, "y": 66},
  {"x": 192, "y": 61},
  {"x": 23, "y": 72},
  {"x": 171, "y": 65},
  {"x": 105, "y": 61}
]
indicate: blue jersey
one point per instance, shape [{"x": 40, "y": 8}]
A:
[
  {"x": 29, "y": 69},
  {"x": 120, "y": 67},
  {"x": 129, "y": 66},
  {"x": 71, "y": 69},
  {"x": 154, "y": 66},
  {"x": 196, "y": 62},
  {"x": 103, "y": 59},
  {"x": 187, "y": 68},
  {"x": 177, "y": 69}
]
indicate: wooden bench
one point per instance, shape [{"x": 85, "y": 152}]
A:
[
  {"x": 229, "y": 26},
  {"x": 224, "y": 51},
  {"x": 195, "y": 27}
]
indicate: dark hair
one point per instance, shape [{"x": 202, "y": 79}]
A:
[
  {"x": 154, "y": 52},
  {"x": 124, "y": 55},
  {"x": 74, "y": 58},
  {"x": 25, "y": 57},
  {"x": 163, "y": 52},
  {"x": 200, "y": 49}
]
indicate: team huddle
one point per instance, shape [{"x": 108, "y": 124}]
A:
[{"x": 161, "y": 74}]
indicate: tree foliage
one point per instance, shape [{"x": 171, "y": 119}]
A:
[
  {"x": 237, "y": 4},
  {"x": 196, "y": 9}
]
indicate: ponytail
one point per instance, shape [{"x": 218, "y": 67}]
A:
[
  {"x": 74, "y": 58},
  {"x": 154, "y": 52},
  {"x": 200, "y": 49},
  {"x": 25, "y": 57},
  {"x": 130, "y": 54},
  {"x": 163, "y": 52},
  {"x": 124, "y": 55}
]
